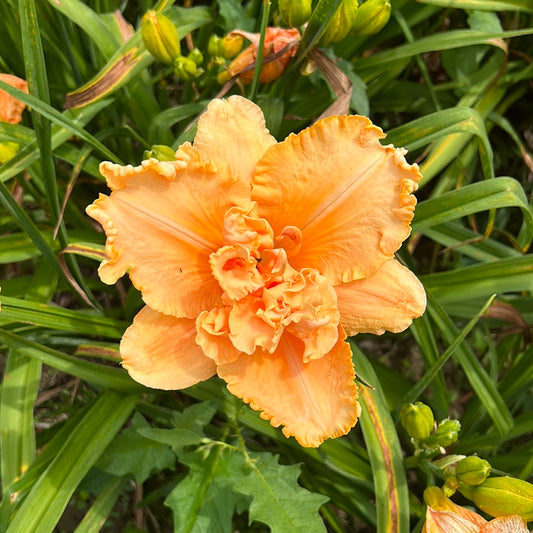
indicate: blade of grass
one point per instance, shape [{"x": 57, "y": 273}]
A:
[
  {"x": 483, "y": 5},
  {"x": 379, "y": 432},
  {"x": 59, "y": 118},
  {"x": 432, "y": 372},
  {"x": 97, "y": 515},
  {"x": 19, "y": 390},
  {"x": 43, "y": 506},
  {"x": 484, "y": 388},
  {"x": 100, "y": 375}
]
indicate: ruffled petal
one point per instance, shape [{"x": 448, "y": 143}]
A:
[
  {"x": 349, "y": 195},
  {"x": 160, "y": 351},
  {"x": 447, "y": 522},
  {"x": 248, "y": 328},
  {"x": 314, "y": 401},
  {"x": 506, "y": 524},
  {"x": 387, "y": 301},
  {"x": 212, "y": 335},
  {"x": 162, "y": 221},
  {"x": 235, "y": 270},
  {"x": 233, "y": 131}
]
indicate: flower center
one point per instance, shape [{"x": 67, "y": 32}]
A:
[{"x": 264, "y": 296}]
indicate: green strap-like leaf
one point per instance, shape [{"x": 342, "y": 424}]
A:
[
  {"x": 484, "y": 5},
  {"x": 43, "y": 506},
  {"x": 379, "y": 432}
]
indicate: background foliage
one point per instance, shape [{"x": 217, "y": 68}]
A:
[{"x": 84, "y": 448}]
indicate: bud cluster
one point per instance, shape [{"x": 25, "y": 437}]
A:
[
  {"x": 419, "y": 422},
  {"x": 349, "y": 19}
]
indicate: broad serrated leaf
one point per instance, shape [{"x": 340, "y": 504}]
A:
[
  {"x": 187, "y": 430},
  {"x": 278, "y": 500},
  {"x": 204, "y": 502},
  {"x": 131, "y": 453}
]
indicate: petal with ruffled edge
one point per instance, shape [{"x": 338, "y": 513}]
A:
[
  {"x": 234, "y": 131},
  {"x": 160, "y": 351},
  {"x": 314, "y": 401},
  {"x": 212, "y": 335},
  {"x": 162, "y": 221},
  {"x": 349, "y": 195},
  {"x": 447, "y": 522},
  {"x": 506, "y": 524},
  {"x": 387, "y": 301}
]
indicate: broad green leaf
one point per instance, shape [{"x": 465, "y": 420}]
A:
[
  {"x": 277, "y": 499},
  {"x": 131, "y": 453},
  {"x": 204, "y": 501},
  {"x": 43, "y": 506},
  {"x": 381, "y": 439},
  {"x": 235, "y": 16},
  {"x": 484, "y": 5},
  {"x": 188, "y": 427}
]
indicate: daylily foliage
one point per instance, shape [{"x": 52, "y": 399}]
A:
[{"x": 256, "y": 258}]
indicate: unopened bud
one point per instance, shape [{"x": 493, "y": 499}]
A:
[
  {"x": 340, "y": 24},
  {"x": 8, "y": 150},
  {"x": 160, "y": 37},
  {"x": 161, "y": 153},
  {"x": 213, "y": 46},
  {"x": 371, "y": 17},
  {"x": 223, "y": 77},
  {"x": 196, "y": 56},
  {"x": 472, "y": 470},
  {"x": 447, "y": 432},
  {"x": 230, "y": 45},
  {"x": 502, "y": 496},
  {"x": 185, "y": 68},
  {"x": 417, "y": 419},
  {"x": 294, "y": 12}
]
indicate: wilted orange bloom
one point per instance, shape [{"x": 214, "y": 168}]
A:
[
  {"x": 256, "y": 258},
  {"x": 10, "y": 108},
  {"x": 275, "y": 40},
  {"x": 444, "y": 516}
]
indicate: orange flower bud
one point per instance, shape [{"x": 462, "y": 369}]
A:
[
  {"x": 10, "y": 108},
  {"x": 275, "y": 40}
]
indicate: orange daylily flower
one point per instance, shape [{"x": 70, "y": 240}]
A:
[
  {"x": 255, "y": 259},
  {"x": 444, "y": 516},
  {"x": 10, "y": 108},
  {"x": 275, "y": 40}
]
